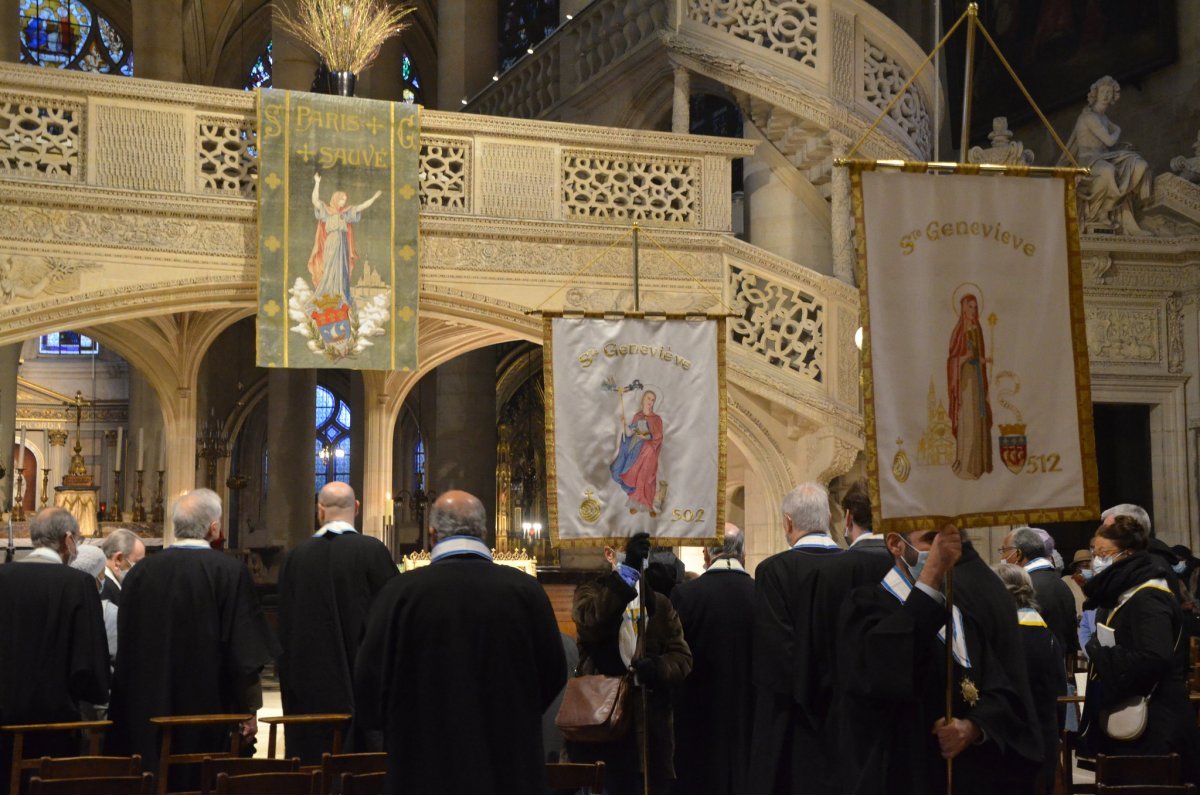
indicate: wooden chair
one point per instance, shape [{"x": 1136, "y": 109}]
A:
[
  {"x": 269, "y": 784},
  {"x": 339, "y": 722},
  {"x": 213, "y": 766},
  {"x": 1147, "y": 789},
  {"x": 95, "y": 729},
  {"x": 1138, "y": 770},
  {"x": 363, "y": 783},
  {"x": 168, "y": 725},
  {"x": 334, "y": 766},
  {"x": 573, "y": 776},
  {"x": 105, "y": 785},
  {"x": 53, "y": 769}
]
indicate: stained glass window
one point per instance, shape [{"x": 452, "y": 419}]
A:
[
  {"x": 67, "y": 343},
  {"x": 332, "y": 442},
  {"x": 419, "y": 464},
  {"x": 412, "y": 83},
  {"x": 69, "y": 34},
  {"x": 523, "y": 24},
  {"x": 261, "y": 69}
]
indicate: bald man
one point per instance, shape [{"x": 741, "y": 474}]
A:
[
  {"x": 459, "y": 660},
  {"x": 714, "y": 718},
  {"x": 326, "y": 589}
]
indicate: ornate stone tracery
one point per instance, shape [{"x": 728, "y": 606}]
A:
[
  {"x": 783, "y": 325},
  {"x": 41, "y": 137},
  {"x": 630, "y": 188},
  {"x": 788, "y": 27},
  {"x": 883, "y": 78}
]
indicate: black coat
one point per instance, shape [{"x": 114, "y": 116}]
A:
[
  {"x": 715, "y": 715},
  {"x": 891, "y": 692},
  {"x": 1149, "y": 658},
  {"x": 191, "y": 640},
  {"x": 110, "y": 592},
  {"x": 459, "y": 660},
  {"x": 1047, "y": 681},
  {"x": 799, "y": 592},
  {"x": 53, "y": 650},
  {"x": 1056, "y": 603},
  {"x": 326, "y": 588}
]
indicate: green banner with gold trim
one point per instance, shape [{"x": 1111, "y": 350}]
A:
[{"x": 337, "y": 217}]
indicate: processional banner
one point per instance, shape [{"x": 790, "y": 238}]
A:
[
  {"x": 977, "y": 392},
  {"x": 635, "y": 427},
  {"x": 337, "y": 209}
]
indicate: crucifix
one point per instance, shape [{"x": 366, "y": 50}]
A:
[{"x": 77, "y": 474}]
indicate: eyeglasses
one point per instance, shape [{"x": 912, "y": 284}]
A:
[{"x": 1002, "y": 550}]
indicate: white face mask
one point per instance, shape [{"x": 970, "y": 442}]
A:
[{"x": 1102, "y": 562}]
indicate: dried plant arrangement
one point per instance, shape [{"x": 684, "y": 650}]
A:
[{"x": 346, "y": 34}]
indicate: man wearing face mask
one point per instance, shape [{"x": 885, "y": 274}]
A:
[
  {"x": 53, "y": 652},
  {"x": 122, "y": 549},
  {"x": 893, "y": 737}
]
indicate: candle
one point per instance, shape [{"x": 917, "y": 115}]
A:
[
  {"x": 21, "y": 451},
  {"x": 141, "y": 449},
  {"x": 120, "y": 436},
  {"x": 391, "y": 507}
]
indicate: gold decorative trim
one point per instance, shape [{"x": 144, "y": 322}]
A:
[{"x": 1083, "y": 391}]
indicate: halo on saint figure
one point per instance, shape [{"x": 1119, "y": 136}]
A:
[
  {"x": 658, "y": 397},
  {"x": 962, "y": 291}
]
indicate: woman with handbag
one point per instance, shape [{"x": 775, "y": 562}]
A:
[
  {"x": 612, "y": 642},
  {"x": 1137, "y": 701}
]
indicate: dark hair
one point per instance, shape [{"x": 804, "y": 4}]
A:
[
  {"x": 857, "y": 503},
  {"x": 1126, "y": 532}
]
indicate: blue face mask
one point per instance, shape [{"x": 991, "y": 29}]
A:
[
  {"x": 1180, "y": 567},
  {"x": 914, "y": 569},
  {"x": 1086, "y": 574}
]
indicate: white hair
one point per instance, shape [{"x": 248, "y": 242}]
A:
[
  {"x": 1135, "y": 512},
  {"x": 90, "y": 560},
  {"x": 195, "y": 512},
  {"x": 808, "y": 507}
]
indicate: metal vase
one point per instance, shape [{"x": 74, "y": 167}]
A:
[{"x": 342, "y": 83}]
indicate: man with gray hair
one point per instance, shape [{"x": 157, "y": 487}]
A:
[
  {"x": 1024, "y": 547},
  {"x": 192, "y": 638},
  {"x": 715, "y": 715},
  {"x": 122, "y": 549},
  {"x": 53, "y": 651},
  {"x": 326, "y": 588},
  {"x": 798, "y": 594},
  {"x": 458, "y": 661}
]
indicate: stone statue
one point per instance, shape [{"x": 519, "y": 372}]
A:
[
  {"x": 1003, "y": 150},
  {"x": 1189, "y": 167},
  {"x": 1120, "y": 181}
]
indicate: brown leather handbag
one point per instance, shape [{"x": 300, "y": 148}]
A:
[{"x": 596, "y": 709}]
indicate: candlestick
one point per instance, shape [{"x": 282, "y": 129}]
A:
[
  {"x": 120, "y": 436},
  {"x": 45, "y": 485},
  {"x": 18, "y": 507},
  {"x": 139, "y": 510},
  {"x": 114, "y": 505},
  {"x": 141, "y": 449},
  {"x": 157, "y": 515}
]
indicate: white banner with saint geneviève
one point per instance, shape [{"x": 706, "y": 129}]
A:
[
  {"x": 978, "y": 402},
  {"x": 635, "y": 427}
]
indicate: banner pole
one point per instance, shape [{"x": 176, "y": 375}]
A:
[
  {"x": 637, "y": 298},
  {"x": 965, "y": 137}
]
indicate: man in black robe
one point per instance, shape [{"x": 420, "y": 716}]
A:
[
  {"x": 1024, "y": 547},
  {"x": 53, "y": 650},
  {"x": 459, "y": 660},
  {"x": 716, "y": 712},
  {"x": 868, "y": 556},
  {"x": 326, "y": 588},
  {"x": 893, "y": 736},
  {"x": 798, "y": 595},
  {"x": 191, "y": 635}
]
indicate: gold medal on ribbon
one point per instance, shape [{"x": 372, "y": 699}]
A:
[{"x": 970, "y": 692}]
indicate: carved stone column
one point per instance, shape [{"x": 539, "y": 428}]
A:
[
  {"x": 842, "y": 210},
  {"x": 294, "y": 63},
  {"x": 763, "y": 525},
  {"x": 291, "y": 468},
  {"x": 180, "y": 428},
  {"x": 10, "y": 356},
  {"x": 158, "y": 39},
  {"x": 466, "y": 49},
  {"x": 57, "y": 456},
  {"x": 10, "y": 30},
  {"x": 681, "y": 110},
  {"x": 378, "y": 426},
  {"x": 464, "y": 436}
]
